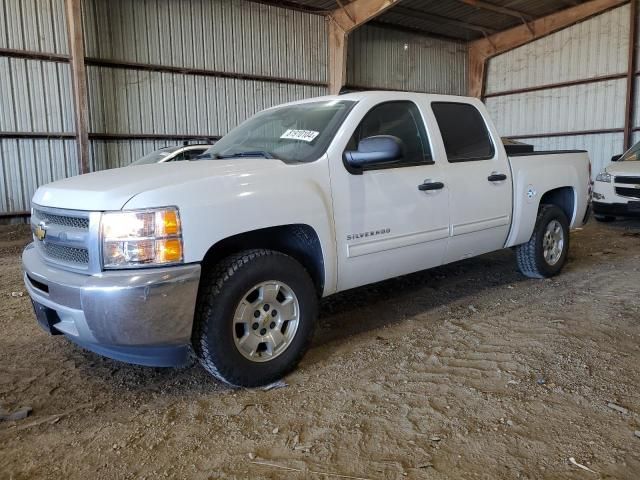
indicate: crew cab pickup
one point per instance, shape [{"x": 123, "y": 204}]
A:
[{"x": 228, "y": 255}]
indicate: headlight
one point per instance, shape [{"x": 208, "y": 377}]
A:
[
  {"x": 141, "y": 238},
  {"x": 604, "y": 177}
]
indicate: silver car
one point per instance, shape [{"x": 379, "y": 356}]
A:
[{"x": 173, "y": 154}]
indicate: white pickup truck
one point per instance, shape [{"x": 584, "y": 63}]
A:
[{"x": 228, "y": 255}]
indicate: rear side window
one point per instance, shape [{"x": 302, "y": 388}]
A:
[{"x": 464, "y": 132}]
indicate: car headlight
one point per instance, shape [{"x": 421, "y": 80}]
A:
[
  {"x": 603, "y": 177},
  {"x": 141, "y": 238}
]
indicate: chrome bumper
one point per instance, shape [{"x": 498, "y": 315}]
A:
[{"x": 137, "y": 316}]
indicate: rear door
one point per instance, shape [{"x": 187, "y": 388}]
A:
[
  {"x": 388, "y": 222},
  {"x": 479, "y": 180}
]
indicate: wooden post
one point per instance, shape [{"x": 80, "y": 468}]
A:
[
  {"x": 631, "y": 76},
  {"x": 79, "y": 81},
  {"x": 337, "y": 57},
  {"x": 341, "y": 22},
  {"x": 481, "y": 50},
  {"x": 476, "y": 74}
]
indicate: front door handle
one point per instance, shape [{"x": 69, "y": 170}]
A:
[
  {"x": 497, "y": 177},
  {"x": 428, "y": 186}
]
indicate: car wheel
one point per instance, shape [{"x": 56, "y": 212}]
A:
[
  {"x": 545, "y": 253},
  {"x": 255, "y": 317}
]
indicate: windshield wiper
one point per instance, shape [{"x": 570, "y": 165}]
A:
[{"x": 254, "y": 153}]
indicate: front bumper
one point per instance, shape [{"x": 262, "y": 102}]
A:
[
  {"x": 136, "y": 316},
  {"x": 616, "y": 209}
]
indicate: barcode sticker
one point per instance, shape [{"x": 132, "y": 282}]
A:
[{"x": 304, "y": 135}]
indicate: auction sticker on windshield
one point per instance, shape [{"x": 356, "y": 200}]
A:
[{"x": 304, "y": 135}]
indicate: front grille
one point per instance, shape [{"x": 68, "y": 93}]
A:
[
  {"x": 628, "y": 192},
  {"x": 67, "y": 238},
  {"x": 81, "y": 223},
  {"x": 61, "y": 253}
]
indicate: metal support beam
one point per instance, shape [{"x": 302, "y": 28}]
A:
[
  {"x": 31, "y": 55},
  {"x": 341, "y": 22},
  {"x": 631, "y": 77},
  {"x": 481, "y": 50},
  {"x": 79, "y": 81}
]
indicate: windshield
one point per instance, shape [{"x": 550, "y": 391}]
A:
[
  {"x": 294, "y": 133},
  {"x": 156, "y": 157},
  {"x": 631, "y": 155}
]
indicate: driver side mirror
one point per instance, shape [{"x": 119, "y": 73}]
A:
[
  {"x": 374, "y": 151},
  {"x": 615, "y": 158}
]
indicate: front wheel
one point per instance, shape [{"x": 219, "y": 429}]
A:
[
  {"x": 255, "y": 317},
  {"x": 545, "y": 253}
]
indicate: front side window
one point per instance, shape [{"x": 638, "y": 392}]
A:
[
  {"x": 294, "y": 133},
  {"x": 464, "y": 132},
  {"x": 402, "y": 120}
]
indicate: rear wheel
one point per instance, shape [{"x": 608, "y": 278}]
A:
[
  {"x": 545, "y": 253},
  {"x": 255, "y": 317}
]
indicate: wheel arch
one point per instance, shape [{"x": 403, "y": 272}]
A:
[
  {"x": 563, "y": 198},
  {"x": 297, "y": 240}
]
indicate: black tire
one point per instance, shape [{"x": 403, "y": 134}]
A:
[
  {"x": 530, "y": 255},
  {"x": 222, "y": 288},
  {"x": 604, "y": 218}
]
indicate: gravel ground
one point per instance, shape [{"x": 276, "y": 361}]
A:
[{"x": 465, "y": 371}]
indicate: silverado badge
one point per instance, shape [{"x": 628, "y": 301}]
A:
[{"x": 40, "y": 231}]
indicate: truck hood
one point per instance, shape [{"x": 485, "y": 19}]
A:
[
  {"x": 112, "y": 189},
  {"x": 624, "y": 168}
]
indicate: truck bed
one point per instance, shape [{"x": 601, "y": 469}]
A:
[{"x": 560, "y": 169}]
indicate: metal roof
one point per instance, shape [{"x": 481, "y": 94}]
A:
[{"x": 455, "y": 19}]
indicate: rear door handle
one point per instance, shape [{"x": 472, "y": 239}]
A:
[
  {"x": 497, "y": 177},
  {"x": 428, "y": 186}
]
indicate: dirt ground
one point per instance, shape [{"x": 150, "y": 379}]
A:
[{"x": 465, "y": 371}]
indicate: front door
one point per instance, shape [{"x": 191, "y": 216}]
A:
[{"x": 390, "y": 220}]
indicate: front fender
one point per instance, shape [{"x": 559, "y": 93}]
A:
[{"x": 219, "y": 207}]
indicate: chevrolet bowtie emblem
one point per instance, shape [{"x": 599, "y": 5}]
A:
[{"x": 40, "y": 231}]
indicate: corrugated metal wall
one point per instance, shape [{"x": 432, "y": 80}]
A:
[
  {"x": 35, "y": 99},
  {"x": 131, "y": 101},
  {"x": 246, "y": 56},
  {"x": 156, "y": 68},
  {"x": 220, "y": 35},
  {"x": 379, "y": 57},
  {"x": 29, "y": 163},
  {"x": 33, "y": 25},
  {"x": 594, "y": 48}
]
